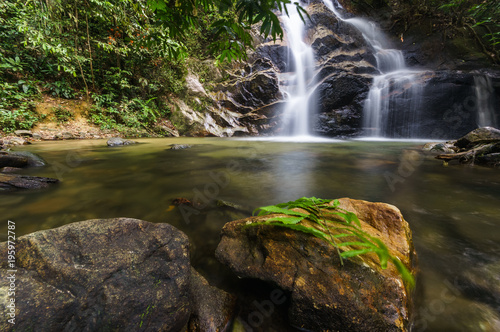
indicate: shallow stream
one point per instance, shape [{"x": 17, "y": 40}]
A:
[{"x": 454, "y": 211}]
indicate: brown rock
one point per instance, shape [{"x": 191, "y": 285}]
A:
[
  {"x": 212, "y": 308},
  {"x": 325, "y": 296}
]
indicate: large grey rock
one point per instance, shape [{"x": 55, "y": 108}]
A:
[
  {"x": 194, "y": 87},
  {"x": 478, "y": 136},
  {"x": 479, "y": 147},
  {"x": 325, "y": 296},
  {"x": 99, "y": 275}
]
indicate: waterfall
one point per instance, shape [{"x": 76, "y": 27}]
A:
[
  {"x": 483, "y": 88},
  {"x": 391, "y": 108},
  {"x": 301, "y": 56}
]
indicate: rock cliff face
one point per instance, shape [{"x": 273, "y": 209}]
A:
[{"x": 344, "y": 68}]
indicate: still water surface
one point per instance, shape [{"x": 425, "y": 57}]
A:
[{"x": 454, "y": 211}]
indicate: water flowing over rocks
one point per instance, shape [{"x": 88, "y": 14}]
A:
[
  {"x": 110, "y": 274},
  {"x": 252, "y": 98},
  {"x": 325, "y": 296}
]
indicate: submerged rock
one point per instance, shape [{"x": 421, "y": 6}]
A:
[
  {"x": 179, "y": 146},
  {"x": 10, "y": 160},
  {"x": 10, "y": 182},
  {"x": 98, "y": 275},
  {"x": 117, "y": 141},
  {"x": 325, "y": 296}
]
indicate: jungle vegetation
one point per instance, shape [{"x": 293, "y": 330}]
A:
[{"x": 127, "y": 57}]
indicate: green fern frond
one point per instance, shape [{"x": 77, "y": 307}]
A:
[{"x": 349, "y": 226}]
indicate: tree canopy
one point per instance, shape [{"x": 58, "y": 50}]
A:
[
  {"x": 127, "y": 56},
  {"x": 231, "y": 28}
]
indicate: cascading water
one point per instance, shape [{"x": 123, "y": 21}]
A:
[
  {"x": 483, "y": 88},
  {"x": 391, "y": 108},
  {"x": 297, "y": 109}
]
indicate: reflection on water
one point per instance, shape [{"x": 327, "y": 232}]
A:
[{"x": 453, "y": 211}]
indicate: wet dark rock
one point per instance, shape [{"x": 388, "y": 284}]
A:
[
  {"x": 478, "y": 136},
  {"x": 117, "y": 141},
  {"x": 325, "y": 296},
  {"x": 10, "y": 169},
  {"x": 11, "y": 160},
  {"x": 343, "y": 122},
  {"x": 99, "y": 275},
  {"x": 25, "y": 158},
  {"x": 492, "y": 159},
  {"x": 10, "y": 182},
  {"x": 180, "y": 146},
  {"x": 212, "y": 308},
  {"x": 482, "y": 283},
  {"x": 479, "y": 147},
  {"x": 20, "y": 159}
]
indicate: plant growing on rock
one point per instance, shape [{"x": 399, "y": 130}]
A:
[{"x": 337, "y": 226}]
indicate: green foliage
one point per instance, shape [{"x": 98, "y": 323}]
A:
[
  {"x": 345, "y": 225},
  {"x": 60, "y": 89},
  {"x": 135, "y": 113},
  {"x": 17, "y": 105},
  {"x": 62, "y": 114},
  {"x": 230, "y": 27},
  {"x": 17, "y": 119}
]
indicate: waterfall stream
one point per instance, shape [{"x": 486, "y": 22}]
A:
[
  {"x": 391, "y": 108},
  {"x": 483, "y": 88},
  {"x": 301, "y": 56}
]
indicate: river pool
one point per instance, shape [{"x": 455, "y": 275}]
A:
[{"x": 454, "y": 211}]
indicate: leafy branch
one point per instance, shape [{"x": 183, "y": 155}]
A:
[{"x": 347, "y": 227}]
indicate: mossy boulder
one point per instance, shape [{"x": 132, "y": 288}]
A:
[{"x": 325, "y": 295}]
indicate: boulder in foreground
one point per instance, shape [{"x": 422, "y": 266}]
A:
[
  {"x": 100, "y": 275},
  {"x": 325, "y": 296}
]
